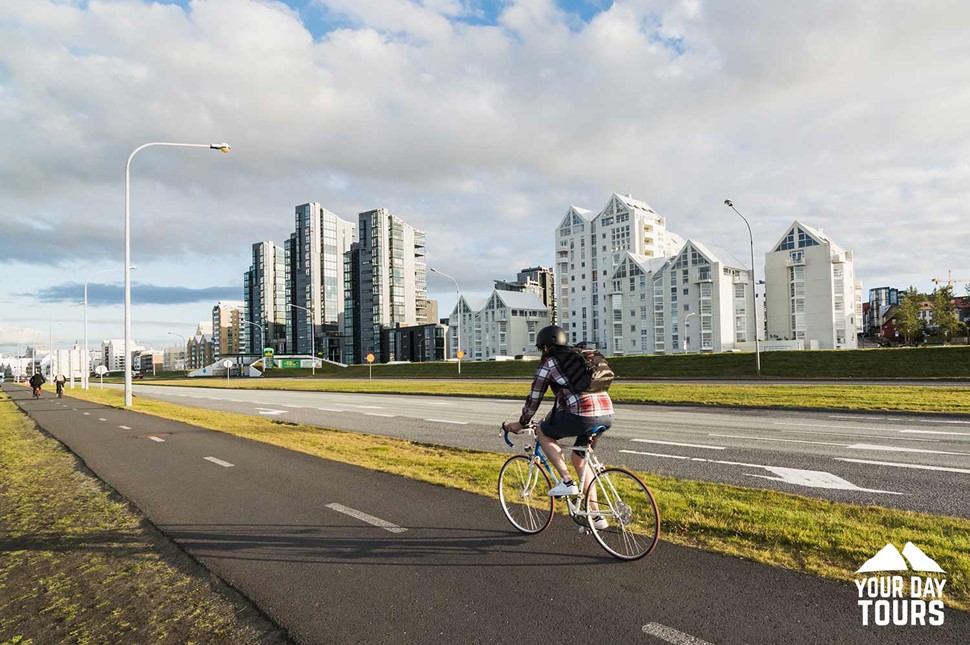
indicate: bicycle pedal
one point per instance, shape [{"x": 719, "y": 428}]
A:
[{"x": 584, "y": 530}]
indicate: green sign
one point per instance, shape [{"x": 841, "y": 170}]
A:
[
  {"x": 268, "y": 358},
  {"x": 289, "y": 363}
]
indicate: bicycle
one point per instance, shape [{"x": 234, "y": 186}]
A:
[{"x": 616, "y": 495}]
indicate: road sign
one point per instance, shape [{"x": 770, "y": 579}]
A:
[
  {"x": 100, "y": 370},
  {"x": 268, "y": 355},
  {"x": 370, "y": 358},
  {"x": 227, "y": 363},
  {"x": 460, "y": 354}
]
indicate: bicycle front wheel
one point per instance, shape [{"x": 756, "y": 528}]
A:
[
  {"x": 523, "y": 488},
  {"x": 632, "y": 519}
]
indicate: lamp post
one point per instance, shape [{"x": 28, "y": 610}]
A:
[
  {"x": 686, "y": 339},
  {"x": 221, "y": 147},
  {"x": 85, "y": 380},
  {"x": 261, "y": 340},
  {"x": 754, "y": 285},
  {"x": 172, "y": 333},
  {"x": 313, "y": 338},
  {"x": 458, "y": 292}
]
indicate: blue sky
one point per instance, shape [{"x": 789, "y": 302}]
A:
[{"x": 478, "y": 122}]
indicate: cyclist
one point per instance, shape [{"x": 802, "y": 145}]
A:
[
  {"x": 59, "y": 382},
  {"x": 36, "y": 381},
  {"x": 573, "y": 413}
]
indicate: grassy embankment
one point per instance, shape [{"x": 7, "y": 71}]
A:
[
  {"x": 814, "y": 536},
  {"x": 79, "y": 566}
]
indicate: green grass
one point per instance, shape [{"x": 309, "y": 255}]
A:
[
  {"x": 804, "y": 534},
  {"x": 79, "y": 566},
  {"x": 927, "y": 400}
]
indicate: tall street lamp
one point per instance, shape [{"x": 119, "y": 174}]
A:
[
  {"x": 313, "y": 337},
  {"x": 686, "y": 338},
  {"x": 221, "y": 147},
  {"x": 754, "y": 285},
  {"x": 262, "y": 338},
  {"x": 85, "y": 380},
  {"x": 458, "y": 352}
]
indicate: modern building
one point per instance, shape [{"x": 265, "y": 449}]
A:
[
  {"x": 200, "y": 350},
  {"x": 589, "y": 248},
  {"x": 630, "y": 298},
  {"x": 417, "y": 343},
  {"x": 810, "y": 290},
  {"x": 502, "y": 325},
  {"x": 880, "y": 300},
  {"x": 228, "y": 334},
  {"x": 113, "y": 354},
  {"x": 149, "y": 361},
  {"x": 174, "y": 359},
  {"x": 264, "y": 292},
  {"x": 701, "y": 303},
  {"x": 314, "y": 277},
  {"x": 386, "y": 284}
]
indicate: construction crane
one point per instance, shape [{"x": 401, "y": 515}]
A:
[{"x": 949, "y": 279}]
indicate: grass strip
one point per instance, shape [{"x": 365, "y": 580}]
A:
[
  {"x": 79, "y": 566},
  {"x": 927, "y": 400},
  {"x": 805, "y": 534}
]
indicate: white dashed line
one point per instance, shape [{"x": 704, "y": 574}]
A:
[
  {"x": 364, "y": 517},
  {"x": 156, "y": 439},
  {"x": 87, "y": 414},
  {"x": 329, "y": 410},
  {"x": 100, "y": 419},
  {"x": 738, "y": 436},
  {"x": 287, "y": 405},
  {"x": 367, "y": 407},
  {"x": 959, "y": 434},
  {"x": 671, "y": 635},
  {"x": 457, "y": 423},
  {"x": 377, "y": 414},
  {"x": 686, "y": 445},
  {"x": 124, "y": 427},
  {"x": 439, "y": 403},
  {"x": 899, "y": 465},
  {"x": 945, "y": 421},
  {"x": 225, "y": 464},
  {"x": 866, "y": 446}
]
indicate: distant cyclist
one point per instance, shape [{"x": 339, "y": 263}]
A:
[
  {"x": 36, "y": 381},
  {"x": 59, "y": 382},
  {"x": 573, "y": 414}
]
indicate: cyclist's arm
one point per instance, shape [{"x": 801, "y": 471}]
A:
[{"x": 540, "y": 384}]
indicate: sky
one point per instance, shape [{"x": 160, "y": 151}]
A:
[{"x": 478, "y": 121}]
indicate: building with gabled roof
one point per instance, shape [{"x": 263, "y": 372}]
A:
[
  {"x": 502, "y": 325},
  {"x": 630, "y": 304},
  {"x": 810, "y": 290}
]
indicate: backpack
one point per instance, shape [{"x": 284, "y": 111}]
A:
[{"x": 585, "y": 369}]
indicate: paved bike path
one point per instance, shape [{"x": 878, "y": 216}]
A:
[{"x": 268, "y": 526}]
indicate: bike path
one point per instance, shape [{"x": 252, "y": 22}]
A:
[{"x": 274, "y": 524}]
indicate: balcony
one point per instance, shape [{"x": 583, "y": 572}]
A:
[{"x": 796, "y": 258}]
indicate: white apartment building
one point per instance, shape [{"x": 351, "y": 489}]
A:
[
  {"x": 701, "y": 302},
  {"x": 588, "y": 250},
  {"x": 630, "y": 300},
  {"x": 503, "y": 324},
  {"x": 113, "y": 353},
  {"x": 229, "y": 335},
  {"x": 810, "y": 290}
]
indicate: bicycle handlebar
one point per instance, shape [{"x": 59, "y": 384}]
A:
[{"x": 505, "y": 433}]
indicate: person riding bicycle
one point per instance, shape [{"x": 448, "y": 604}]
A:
[
  {"x": 573, "y": 414},
  {"x": 36, "y": 381},
  {"x": 59, "y": 382}
]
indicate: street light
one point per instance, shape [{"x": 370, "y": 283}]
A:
[
  {"x": 313, "y": 338},
  {"x": 458, "y": 292},
  {"x": 262, "y": 338},
  {"x": 686, "y": 338},
  {"x": 754, "y": 283},
  {"x": 221, "y": 147},
  {"x": 172, "y": 333},
  {"x": 85, "y": 380}
]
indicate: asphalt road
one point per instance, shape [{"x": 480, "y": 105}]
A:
[
  {"x": 899, "y": 461},
  {"x": 335, "y": 553}
]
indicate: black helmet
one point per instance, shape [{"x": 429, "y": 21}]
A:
[{"x": 551, "y": 336}]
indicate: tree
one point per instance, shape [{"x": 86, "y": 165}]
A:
[
  {"x": 945, "y": 313},
  {"x": 907, "y": 314}
]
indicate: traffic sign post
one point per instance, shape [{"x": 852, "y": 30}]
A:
[
  {"x": 370, "y": 363},
  {"x": 268, "y": 355},
  {"x": 101, "y": 370},
  {"x": 460, "y": 354},
  {"x": 228, "y": 365}
]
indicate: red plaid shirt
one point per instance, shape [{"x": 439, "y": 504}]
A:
[{"x": 583, "y": 404}]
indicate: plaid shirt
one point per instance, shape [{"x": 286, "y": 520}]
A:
[{"x": 584, "y": 404}]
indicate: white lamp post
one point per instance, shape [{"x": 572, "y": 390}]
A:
[
  {"x": 458, "y": 292},
  {"x": 85, "y": 380},
  {"x": 686, "y": 339},
  {"x": 222, "y": 147},
  {"x": 754, "y": 285},
  {"x": 313, "y": 337}
]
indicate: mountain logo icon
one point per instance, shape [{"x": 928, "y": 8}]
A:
[{"x": 890, "y": 559}]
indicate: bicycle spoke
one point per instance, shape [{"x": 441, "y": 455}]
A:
[
  {"x": 633, "y": 521},
  {"x": 523, "y": 490}
]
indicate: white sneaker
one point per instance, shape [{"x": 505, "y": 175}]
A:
[
  {"x": 601, "y": 524},
  {"x": 562, "y": 490}
]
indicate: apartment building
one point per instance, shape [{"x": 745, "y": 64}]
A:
[
  {"x": 630, "y": 301},
  {"x": 810, "y": 290},
  {"x": 315, "y": 281},
  {"x": 539, "y": 280},
  {"x": 228, "y": 333},
  {"x": 386, "y": 285},
  {"x": 113, "y": 354},
  {"x": 264, "y": 293},
  {"x": 503, "y": 324},
  {"x": 701, "y": 302},
  {"x": 589, "y": 248},
  {"x": 880, "y": 301},
  {"x": 199, "y": 350}
]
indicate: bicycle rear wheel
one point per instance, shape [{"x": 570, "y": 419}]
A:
[
  {"x": 523, "y": 489},
  {"x": 631, "y": 514}
]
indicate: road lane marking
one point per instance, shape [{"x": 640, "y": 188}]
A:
[
  {"x": 863, "y": 416},
  {"x": 859, "y": 434},
  {"x": 222, "y": 463},
  {"x": 102, "y": 419},
  {"x": 87, "y": 414},
  {"x": 369, "y": 407},
  {"x": 959, "y": 434},
  {"x": 795, "y": 476},
  {"x": 674, "y": 443},
  {"x": 945, "y": 421},
  {"x": 364, "y": 517},
  {"x": 899, "y": 465},
  {"x": 270, "y": 411},
  {"x": 867, "y": 446},
  {"x": 438, "y": 403},
  {"x": 672, "y": 635},
  {"x": 124, "y": 427},
  {"x": 378, "y": 414},
  {"x": 457, "y": 423},
  {"x": 287, "y": 405},
  {"x": 738, "y": 436},
  {"x": 329, "y": 410},
  {"x": 156, "y": 439}
]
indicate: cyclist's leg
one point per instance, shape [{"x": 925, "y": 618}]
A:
[{"x": 553, "y": 451}]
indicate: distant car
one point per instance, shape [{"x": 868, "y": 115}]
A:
[{"x": 137, "y": 375}]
